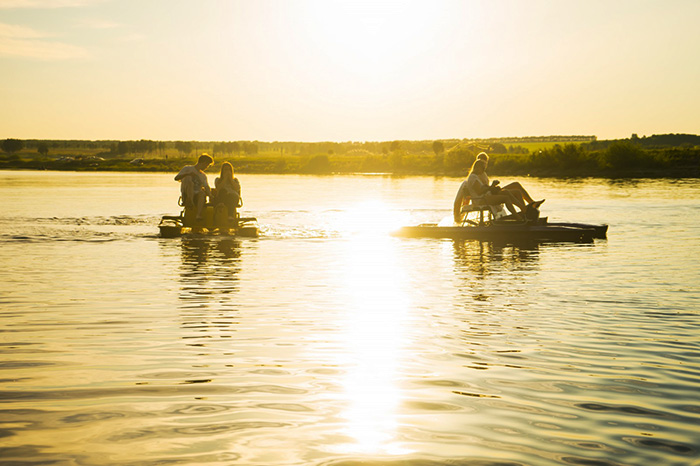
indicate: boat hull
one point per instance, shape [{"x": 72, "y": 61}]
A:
[
  {"x": 600, "y": 231},
  {"x": 175, "y": 231},
  {"x": 504, "y": 232},
  {"x": 214, "y": 221}
]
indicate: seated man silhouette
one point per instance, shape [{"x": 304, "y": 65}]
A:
[{"x": 194, "y": 185}]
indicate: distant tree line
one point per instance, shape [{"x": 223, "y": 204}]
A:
[
  {"x": 618, "y": 158},
  {"x": 674, "y": 154},
  {"x": 654, "y": 141},
  {"x": 142, "y": 146},
  {"x": 11, "y": 146},
  {"x": 235, "y": 147},
  {"x": 350, "y": 148},
  {"x": 529, "y": 139}
]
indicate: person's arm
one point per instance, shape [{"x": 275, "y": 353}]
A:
[
  {"x": 457, "y": 206},
  {"x": 183, "y": 173},
  {"x": 237, "y": 189},
  {"x": 457, "y": 209},
  {"x": 205, "y": 185}
]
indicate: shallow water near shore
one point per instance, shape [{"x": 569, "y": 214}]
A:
[{"x": 327, "y": 341}]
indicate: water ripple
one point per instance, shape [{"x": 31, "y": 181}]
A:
[{"x": 328, "y": 343}]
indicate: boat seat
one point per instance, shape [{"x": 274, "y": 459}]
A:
[{"x": 487, "y": 212}]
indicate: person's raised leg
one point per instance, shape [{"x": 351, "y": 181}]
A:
[
  {"x": 231, "y": 204},
  {"x": 511, "y": 208},
  {"x": 187, "y": 191},
  {"x": 516, "y": 195},
  {"x": 515, "y": 186},
  {"x": 506, "y": 199},
  {"x": 201, "y": 199},
  {"x": 517, "y": 200}
]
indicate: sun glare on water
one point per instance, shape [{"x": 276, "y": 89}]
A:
[
  {"x": 373, "y": 220},
  {"x": 374, "y": 326},
  {"x": 374, "y": 342}
]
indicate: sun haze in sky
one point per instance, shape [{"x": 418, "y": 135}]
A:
[{"x": 313, "y": 70}]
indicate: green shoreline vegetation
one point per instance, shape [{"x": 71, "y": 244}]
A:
[{"x": 667, "y": 155}]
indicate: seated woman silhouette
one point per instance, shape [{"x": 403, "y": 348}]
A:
[
  {"x": 227, "y": 190},
  {"x": 483, "y": 194}
]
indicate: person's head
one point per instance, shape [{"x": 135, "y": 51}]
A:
[
  {"x": 478, "y": 167},
  {"x": 483, "y": 156},
  {"x": 226, "y": 171},
  {"x": 204, "y": 161}
]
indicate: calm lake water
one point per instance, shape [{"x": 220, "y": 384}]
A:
[{"x": 329, "y": 342}]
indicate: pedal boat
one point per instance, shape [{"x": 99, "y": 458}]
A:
[
  {"x": 215, "y": 220},
  {"x": 490, "y": 224}
]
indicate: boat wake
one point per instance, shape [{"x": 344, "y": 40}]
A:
[{"x": 80, "y": 229}]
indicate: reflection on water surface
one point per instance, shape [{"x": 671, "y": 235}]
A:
[
  {"x": 374, "y": 343},
  {"x": 327, "y": 341}
]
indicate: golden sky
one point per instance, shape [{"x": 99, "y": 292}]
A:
[{"x": 326, "y": 70}]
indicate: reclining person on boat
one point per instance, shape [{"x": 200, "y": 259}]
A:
[
  {"x": 514, "y": 188},
  {"x": 194, "y": 186},
  {"x": 483, "y": 194},
  {"x": 227, "y": 190}
]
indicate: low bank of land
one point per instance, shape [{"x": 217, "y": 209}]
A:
[{"x": 554, "y": 156}]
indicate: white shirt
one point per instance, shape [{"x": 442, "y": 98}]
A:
[
  {"x": 475, "y": 186},
  {"x": 199, "y": 179}
]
